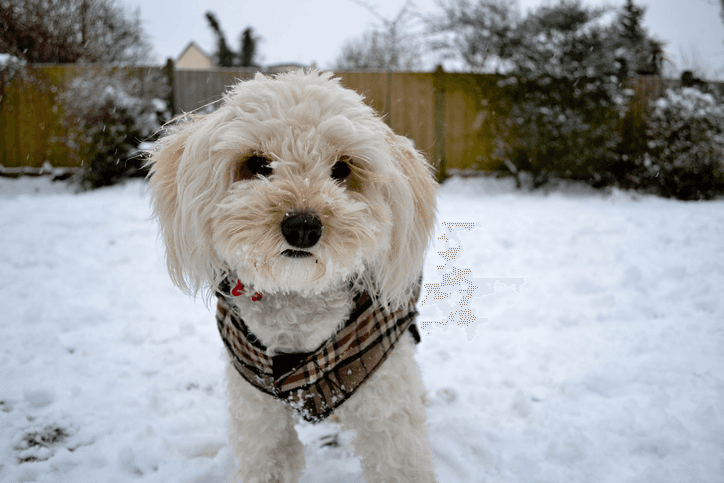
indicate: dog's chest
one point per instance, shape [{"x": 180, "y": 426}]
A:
[{"x": 286, "y": 323}]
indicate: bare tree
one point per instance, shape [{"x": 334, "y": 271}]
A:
[
  {"x": 478, "y": 34},
  {"x": 394, "y": 46},
  {"x": 692, "y": 61},
  {"x": 69, "y": 31}
]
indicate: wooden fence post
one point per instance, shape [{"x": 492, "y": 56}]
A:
[
  {"x": 171, "y": 99},
  {"x": 439, "y": 161}
]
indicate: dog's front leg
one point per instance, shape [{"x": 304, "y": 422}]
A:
[
  {"x": 388, "y": 416},
  {"x": 262, "y": 435}
]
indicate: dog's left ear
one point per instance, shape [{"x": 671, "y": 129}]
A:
[
  {"x": 183, "y": 195},
  {"x": 412, "y": 200}
]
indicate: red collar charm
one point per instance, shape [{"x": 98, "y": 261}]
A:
[{"x": 238, "y": 290}]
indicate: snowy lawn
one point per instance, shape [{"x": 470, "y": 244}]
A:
[{"x": 607, "y": 366}]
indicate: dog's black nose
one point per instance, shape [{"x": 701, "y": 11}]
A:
[{"x": 302, "y": 231}]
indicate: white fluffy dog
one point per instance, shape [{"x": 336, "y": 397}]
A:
[{"x": 309, "y": 219}]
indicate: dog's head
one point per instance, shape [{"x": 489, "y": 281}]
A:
[{"x": 293, "y": 184}]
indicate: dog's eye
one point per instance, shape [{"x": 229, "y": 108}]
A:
[
  {"x": 259, "y": 165},
  {"x": 252, "y": 167},
  {"x": 340, "y": 170}
]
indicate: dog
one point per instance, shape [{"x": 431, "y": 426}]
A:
[{"x": 308, "y": 218}]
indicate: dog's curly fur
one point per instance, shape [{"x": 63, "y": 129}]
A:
[{"x": 221, "y": 218}]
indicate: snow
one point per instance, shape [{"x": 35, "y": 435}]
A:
[
  {"x": 9, "y": 60},
  {"x": 607, "y": 365}
]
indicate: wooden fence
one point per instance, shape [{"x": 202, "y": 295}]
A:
[
  {"x": 30, "y": 119},
  {"x": 195, "y": 89},
  {"x": 441, "y": 112},
  {"x": 32, "y": 124}
]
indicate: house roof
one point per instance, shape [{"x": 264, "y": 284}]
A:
[{"x": 194, "y": 56}]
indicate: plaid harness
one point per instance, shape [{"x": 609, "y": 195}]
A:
[{"x": 316, "y": 383}]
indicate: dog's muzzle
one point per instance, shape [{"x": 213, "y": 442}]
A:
[{"x": 301, "y": 231}]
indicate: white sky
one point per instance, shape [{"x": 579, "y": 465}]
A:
[{"x": 306, "y": 31}]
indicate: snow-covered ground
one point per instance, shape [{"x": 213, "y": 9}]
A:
[{"x": 606, "y": 366}]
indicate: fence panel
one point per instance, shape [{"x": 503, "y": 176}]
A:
[
  {"x": 412, "y": 109},
  {"x": 30, "y": 118},
  {"x": 373, "y": 86},
  {"x": 195, "y": 89}
]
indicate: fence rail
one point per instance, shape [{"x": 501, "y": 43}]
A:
[{"x": 441, "y": 112}]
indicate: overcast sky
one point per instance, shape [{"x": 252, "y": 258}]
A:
[{"x": 306, "y": 31}]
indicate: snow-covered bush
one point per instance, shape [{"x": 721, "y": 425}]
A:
[
  {"x": 557, "y": 127},
  {"x": 107, "y": 116},
  {"x": 557, "y": 112},
  {"x": 685, "y": 157}
]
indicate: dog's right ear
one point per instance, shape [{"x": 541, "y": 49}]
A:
[{"x": 180, "y": 204}]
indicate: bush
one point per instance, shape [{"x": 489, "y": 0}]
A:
[
  {"x": 557, "y": 127},
  {"x": 685, "y": 157},
  {"x": 107, "y": 117},
  {"x": 559, "y": 106}
]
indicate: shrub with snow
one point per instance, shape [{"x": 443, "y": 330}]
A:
[
  {"x": 108, "y": 115},
  {"x": 685, "y": 157},
  {"x": 557, "y": 127},
  {"x": 558, "y": 109}
]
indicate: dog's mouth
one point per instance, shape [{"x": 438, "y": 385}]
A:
[{"x": 296, "y": 253}]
